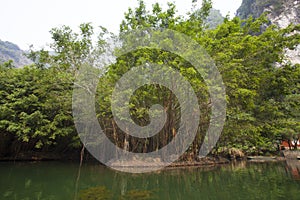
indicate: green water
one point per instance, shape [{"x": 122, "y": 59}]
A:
[{"x": 54, "y": 180}]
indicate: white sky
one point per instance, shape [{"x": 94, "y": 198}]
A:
[{"x": 26, "y": 22}]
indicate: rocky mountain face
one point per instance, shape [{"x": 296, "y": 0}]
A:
[
  {"x": 214, "y": 18},
  {"x": 11, "y": 51},
  {"x": 280, "y": 12}
]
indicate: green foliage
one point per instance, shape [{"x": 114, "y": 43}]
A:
[
  {"x": 35, "y": 107},
  {"x": 71, "y": 49},
  {"x": 262, "y": 88},
  {"x": 246, "y": 58},
  {"x": 142, "y": 18}
]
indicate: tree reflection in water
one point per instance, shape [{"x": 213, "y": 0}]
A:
[{"x": 242, "y": 180}]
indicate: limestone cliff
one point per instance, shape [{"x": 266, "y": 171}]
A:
[
  {"x": 280, "y": 12},
  {"x": 10, "y": 51}
]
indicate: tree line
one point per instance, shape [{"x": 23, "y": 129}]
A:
[{"x": 262, "y": 87}]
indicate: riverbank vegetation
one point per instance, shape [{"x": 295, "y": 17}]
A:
[{"x": 262, "y": 88}]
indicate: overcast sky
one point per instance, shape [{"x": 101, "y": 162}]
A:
[{"x": 27, "y": 22}]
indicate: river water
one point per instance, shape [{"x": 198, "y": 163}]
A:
[{"x": 58, "y": 180}]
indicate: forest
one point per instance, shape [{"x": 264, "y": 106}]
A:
[{"x": 262, "y": 86}]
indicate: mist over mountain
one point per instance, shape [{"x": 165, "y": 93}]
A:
[
  {"x": 11, "y": 51},
  {"x": 214, "y": 19}
]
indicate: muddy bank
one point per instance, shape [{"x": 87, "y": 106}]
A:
[
  {"x": 134, "y": 162},
  {"x": 265, "y": 158},
  {"x": 41, "y": 156}
]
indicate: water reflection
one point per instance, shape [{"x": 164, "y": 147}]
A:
[
  {"x": 233, "y": 181},
  {"x": 293, "y": 167}
]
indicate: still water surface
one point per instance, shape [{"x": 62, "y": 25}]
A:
[{"x": 57, "y": 181}]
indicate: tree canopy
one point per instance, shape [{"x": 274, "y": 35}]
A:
[{"x": 262, "y": 87}]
